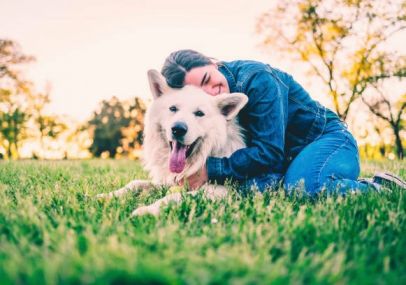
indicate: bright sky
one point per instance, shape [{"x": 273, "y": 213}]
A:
[{"x": 95, "y": 49}]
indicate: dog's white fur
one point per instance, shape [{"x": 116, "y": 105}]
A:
[{"x": 216, "y": 133}]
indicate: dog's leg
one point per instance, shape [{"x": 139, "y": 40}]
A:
[
  {"x": 211, "y": 192},
  {"x": 132, "y": 186},
  {"x": 154, "y": 208}
]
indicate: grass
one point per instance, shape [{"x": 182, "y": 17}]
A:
[{"x": 53, "y": 232}]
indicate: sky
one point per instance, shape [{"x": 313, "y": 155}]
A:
[{"x": 92, "y": 50}]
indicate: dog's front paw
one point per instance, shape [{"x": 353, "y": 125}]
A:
[{"x": 146, "y": 210}]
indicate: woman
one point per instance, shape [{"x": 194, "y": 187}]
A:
[{"x": 290, "y": 137}]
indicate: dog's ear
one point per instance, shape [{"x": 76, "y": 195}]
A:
[
  {"x": 230, "y": 104},
  {"x": 157, "y": 83}
]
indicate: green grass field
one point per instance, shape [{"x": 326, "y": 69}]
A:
[{"x": 52, "y": 231}]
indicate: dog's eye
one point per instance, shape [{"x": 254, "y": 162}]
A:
[
  {"x": 173, "y": 109},
  {"x": 199, "y": 113}
]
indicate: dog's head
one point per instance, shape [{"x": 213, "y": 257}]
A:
[{"x": 190, "y": 121}]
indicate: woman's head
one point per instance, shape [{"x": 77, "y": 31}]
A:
[{"x": 189, "y": 67}]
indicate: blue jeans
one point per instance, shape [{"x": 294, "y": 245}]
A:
[{"x": 331, "y": 162}]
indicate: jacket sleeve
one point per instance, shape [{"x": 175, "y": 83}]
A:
[{"x": 265, "y": 116}]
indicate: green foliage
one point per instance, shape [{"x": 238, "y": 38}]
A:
[
  {"x": 20, "y": 105},
  {"x": 117, "y": 125},
  {"x": 107, "y": 124},
  {"x": 13, "y": 102},
  {"x": 133, "y": 133},
  {"x": 53, "y": 231},
  {"x": 11, "y": 128}
]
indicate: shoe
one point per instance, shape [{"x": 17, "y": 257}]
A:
[
  {"x": 370, "y": 183},
  {"x": 389, "y": 180}
]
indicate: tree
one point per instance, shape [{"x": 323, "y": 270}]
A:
[
  {"x": 107, "y": 124},
  {"x": 47, "y": 126},
  {"x": 117, "y": 127},
  {"x": 393, "y": 114},
  {"x": 133, "y": 133},
  {"x": 341, "y": 41},
  {"x": 13, "y": 119},
  {"x": 15, "y": 95},
  {"x": 11, "y": 58}
]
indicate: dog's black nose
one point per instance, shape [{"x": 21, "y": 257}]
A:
[{"x": 179, "y": 129}]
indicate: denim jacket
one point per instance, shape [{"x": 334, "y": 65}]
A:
[{"x": 280, "y": 119}]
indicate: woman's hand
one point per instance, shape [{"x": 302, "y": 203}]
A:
[{"x": 196, "y": 180}]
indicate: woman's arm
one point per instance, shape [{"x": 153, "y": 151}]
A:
[{"x": 265, "y": 119}]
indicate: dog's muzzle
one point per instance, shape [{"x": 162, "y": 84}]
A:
[{"x": 179, "y": 130}]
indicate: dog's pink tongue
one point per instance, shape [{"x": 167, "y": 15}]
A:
[{"x": 177, "y": 161}]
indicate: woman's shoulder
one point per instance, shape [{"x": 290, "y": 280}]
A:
[
  {"x": 245, "y": 70},
  {"x": 247, "y": 65},
  {"x": 249, "y": 73}
]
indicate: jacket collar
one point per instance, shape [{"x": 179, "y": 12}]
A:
[{"x": 225, "y": 70}]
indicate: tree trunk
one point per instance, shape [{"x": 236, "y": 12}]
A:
[
  {"x": 9, "y": 153},
  {"x": 398, "y": 140},
  {"x": 16, "y": 150},
  {"x": 15, "y": 142}
]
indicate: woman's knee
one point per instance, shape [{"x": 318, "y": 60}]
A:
[
  {"x": 313, "y": 170},
  {"x": 329, "y": 177}
]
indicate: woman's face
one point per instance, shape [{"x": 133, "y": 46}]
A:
[{"x": 209, "y": 78}]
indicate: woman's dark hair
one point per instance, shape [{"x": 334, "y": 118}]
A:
[{"x": 178, "y": 63}]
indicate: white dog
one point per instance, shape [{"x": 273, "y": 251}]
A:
[{"x": 182, "y": 128}]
